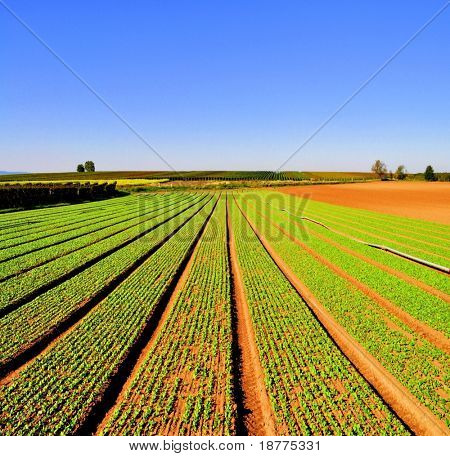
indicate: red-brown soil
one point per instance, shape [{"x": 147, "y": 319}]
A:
[
  {"x": 259, "y": 419},
  {"x": 422, "y": 200}
]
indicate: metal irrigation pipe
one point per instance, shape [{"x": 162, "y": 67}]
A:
[{"x": 377, "y": 246}]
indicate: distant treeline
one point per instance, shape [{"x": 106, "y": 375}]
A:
[
  {"x": 29, "y": 195},
  {"x": 440, "y": 177},
  {"x": 443, "y": 177}
]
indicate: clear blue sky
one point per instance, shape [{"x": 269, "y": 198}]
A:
[{"x": 224, "y": 84}]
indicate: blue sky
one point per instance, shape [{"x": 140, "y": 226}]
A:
[{"x": 224, "y": 84}]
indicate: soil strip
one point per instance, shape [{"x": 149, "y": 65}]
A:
[{"x": 254, "y": 407}]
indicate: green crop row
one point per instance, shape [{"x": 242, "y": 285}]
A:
[
  {"x": 414, "y": 248},
  {"x": 412, "y": 224},
  {"x": 68, "y": 231},
  {"x": 185, "y": 383},
  {"x": 55, "y": 393},
  {"x": 414, "y": 270},
  {"x": 24, "y": 221},
  {"x": 62, "y": 228},
  {"x": 360, "y": 229},
  {"x": 344, "y": 214},
  {"x": 314, "y": 390},
  {"x": 62, "y": 225}
]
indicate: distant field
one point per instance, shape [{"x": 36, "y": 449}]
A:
[
  {"x": 424, "y": 200},
  {"x": 70, "y": 177},
  {"x": 120, "y": 182},
  {"x": 337, "y": 175},
  {"x": 188, "y": 175}
]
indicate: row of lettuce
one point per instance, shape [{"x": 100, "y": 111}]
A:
[
  {"x": 30, "y": 254},
  {"x": 43, "y": 314},
  {"x": 22, "y": 287}
]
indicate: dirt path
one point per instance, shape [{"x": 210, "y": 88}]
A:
[
  {"x": 416, "y": 416},
  {"x": 421, "y": 200},
  {"x": 258, "y": 419},
  {"x": 164, "y": 315}
]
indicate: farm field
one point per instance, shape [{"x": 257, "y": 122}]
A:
[
  {"x": 423, "y": 200},
  {"x": 119, "y": 182},
  {"x": 140, "y": 177},
  {"x": 226, "y": 313}
]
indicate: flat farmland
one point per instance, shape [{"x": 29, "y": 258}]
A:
[
  {"x": 423, "y": 200},
  {"x": 227, "y": 313}
]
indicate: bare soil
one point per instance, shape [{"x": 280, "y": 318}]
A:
[
  {"x": 258, "y": 419},
  {"x": 422, "y": 200}
]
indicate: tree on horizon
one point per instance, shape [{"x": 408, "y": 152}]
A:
[
  {"x": 89, "y": 166},
  {"x": 429, "y": 174},
  {"x": 401, "y": 172},
  {"x": 379, "y": 168}
]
